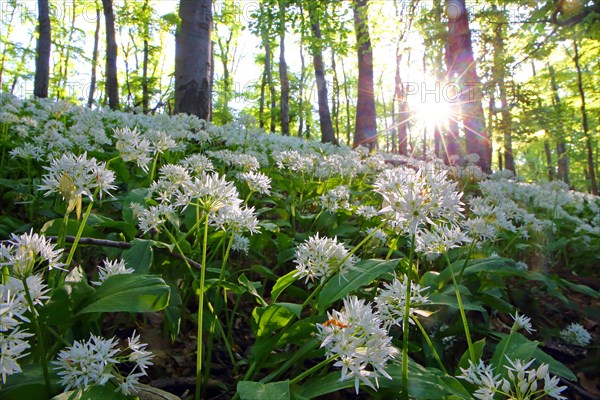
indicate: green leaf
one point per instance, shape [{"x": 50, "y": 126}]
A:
[
  {"x": 269, "y": 319},
  {"x": 251, "y": 287},
  {"x": 362, "y": 274},
  {"x": 322, "y": 385},
  {"x": 139, "y": 256},
  {"x": 264, "y": 391},
  {"x": 464, "y": 360},
  {"x": 134, "y": 196},
  {"x": 282, "y": 283},
  {"x": 129, "y": 293},
  {"x": 515, "y": 346},
  {"x": 29, "y": 384},
  {"x": 64, "y": 302}
]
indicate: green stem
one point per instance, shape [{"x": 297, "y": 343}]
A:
[
  {"x": 405, "y": 322},
  {"x": 467, "y": 259},
  {"x": 176, "y": 243},
  {"x": 40, "y": 337},
  {"x": 463, "y": 315},
  {"x": 80, "y": 230},
  {"x": 153, "y": 170},
  {"x": 312, "y": 370},
  {"x": 433, "y": 350},
  {"x": 200, "y": 312}
]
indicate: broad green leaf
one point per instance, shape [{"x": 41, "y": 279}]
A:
[
  {"x": 362, "y": 274},
  {"x": 270, "y": 318},
  {"x": 139, "y": 256},
  {"x": 65, "y": 301},
  {"x": 251, "y": 286},
  {"x": 129, "y": 293},
  {"x": 264, "y": 391},
  {"x": 282, "y": 283},
  {"x": 556, "y": 367},
  {"x": 29, "y": 384},
  {"x": 322, "y": 385},
  {"x": 95, "y": 392},
  {"x": 464, "y": 360}
]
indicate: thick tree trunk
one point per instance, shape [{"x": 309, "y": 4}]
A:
[
  {"x": 327, "y": 135},
  {"x": 366, "y": 118},
  {"x": 584, "y": 122},
  {"x": 94, "y": 59},
  {"x": 462, "y": 67},
  {"x": 112, "y": 84},
  {"x": 42, "y": 51},
  {"x": 193, "y": 58}
]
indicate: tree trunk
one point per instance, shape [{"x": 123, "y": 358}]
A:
[
  {"x": 335, "y": 98},
  {"x": 461, "y": 66},
  {"x": 499, "y": 71},
  {"x": 549, "y": 166},
  {"x": 112, "y": 84},
  {"x": 561, "y": 145},
  {"x": 65, "y": 76},
  {"x": 94, "y": 59},
  {"x": 366, "y": 118},
  {"x": 584, "y": 123},
  {"x": 283, "y": 75},
  {"x": 42, "y": 51},
  {"x": 347, "y": 101},
  {"x": 327, "y": 135},
  {"x": 193, "y": 58},
  {"x": 269, "y": 75},
  {"x": 146, "y": 51},
  {"x": 301, "y": 91},
  {"x": 261, "y": 101}
]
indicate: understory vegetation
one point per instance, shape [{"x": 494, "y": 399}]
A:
[{"x": 231, "y": 263}]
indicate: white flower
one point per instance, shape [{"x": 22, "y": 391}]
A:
[
  {"x": 552, "y": 389},
  {"x": 480, "y": 229},
  {"x": 356, "y": 336},
  {"x": 521, "y": 322},
  {"x": 211, "y": 191},
  {"x": 27, "y": 252},
  {"x": 139, "y": 355},
  {"x": 74, "y": 176},
  {"x": 335, "y": 199},
  {"x": 198, "y": 163},
  {"x": 391, "y": 301},
  {"x": 240, "y": 243},
  {"x": 522, "y": 266},
  {"x": 576, "y": 334},
  {"x": 257, "y": 181},
  {"x": 319, "y": 258},
  {"x": 12, "y": 347},
  {"x": 367, "y": 212},
  {"x": 133, "y": 147},
  {"x": 235, "y": 218},
  {"x": 379, "y": 237},
  {"x": 412, "y": 199},
  {"x": 153, "y": 217},
  {"x": 110, "y": 268},
  {"x": 438, "y": 240}
]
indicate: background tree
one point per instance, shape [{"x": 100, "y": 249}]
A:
[
  {"x": 42, "y": 52},
  {"x": 193, "y": 58},
  {"x": 112, "y": 83}
]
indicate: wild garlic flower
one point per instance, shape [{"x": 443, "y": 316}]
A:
[
  {"x": 197, "y": 164},
  {"x": 75, "y": 176},
  {"x": 211, "y": 192},
  {"x": 257, "y": 181},
  {"x": 522, "y": 382},
  {"x": 294, "y": 161},
  {"x": 379, "y": 237},
  {"x": 153, "y": 217},
  {"x": 366, "y": 212},
  {"x": 172, "y": 184},
  {"x": 521, "y": 322},
  {"x": 391, "y": 301},
  {"x": 240, "y": 243},
  {"x": 356, "y": 337},
  {"x": 94, "y": 362},
  {"x": 320, "y": 257},
  {"x": 479, "y": 229},
  {"x": 576, "y": 334},
  {"x": 412, "y": 199},
  {"x": 335, "y": 199},
  {"x": 133, "y": 147},
  {"x": 110, "y": 268},
  {"x": 13, "y": 346},
  {"x": 28, "y": 252},
  {"x": 438, "y": 240},
  {"x": 235, "y": 218}
]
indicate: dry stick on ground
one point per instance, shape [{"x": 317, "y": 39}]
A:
[{"x": 121, "y": 245}]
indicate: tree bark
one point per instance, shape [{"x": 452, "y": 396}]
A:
[
  {"x": 283, "y": 75},
  {"x": 146, "y": 55},
  {"x": 193, "y": 58},
  {"x": 112, "y": 84},
  {"x": 584, "y": 123},
  {"x": 94, "y": 59},
  {"x": 366, "y": 118},
  {"x": 561, "y": 145},
  {"x": 42, "y": 51},
  {"x": 461, "y": 66},
  {"x": 327, "y": 134}
]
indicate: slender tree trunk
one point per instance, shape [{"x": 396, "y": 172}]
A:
[
  {"x": 269, "y": 72},
  {"x": 561, "y": 145},
  {"x": 146, "y": 56},
  {"x": 327, "y": 135},
  {"x": 335, "y": 98},
  {"x": 9, "y": 29},
  {"x": 584, "y": 124},
  {"x": 301, "y": 91},
  {"x": 94, "y": 58},
  {"x": 366, "y": 118},
  {"x": 261, "y": 101},
  {"x": 347, "y": 100},
  {"x": 499, "y": 71},
  {"x": 193, "y": 59},
  {"x": 65, "y": 76},
  {"x": 42, "y": 52},
  {"x": 462, "y": 66},
  {"x": 283, "y": 75},
  {"x": 112, "y": 84},
  {"x": 549, "y": 165}
]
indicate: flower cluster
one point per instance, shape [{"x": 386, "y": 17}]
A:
[
  {"x": 110, "y": 268},
  {"x": 522, "y": 383},
  {"x": 355, "y": 336},
  {"x": 320, "y": 257},
  {"x": 336, "y": 199},
  {"x": 25, "y": 253},
  {"x": 392, "y": 299},
  {"x": 94, "y": 362},
  {"x": 576, "y": 334}
]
